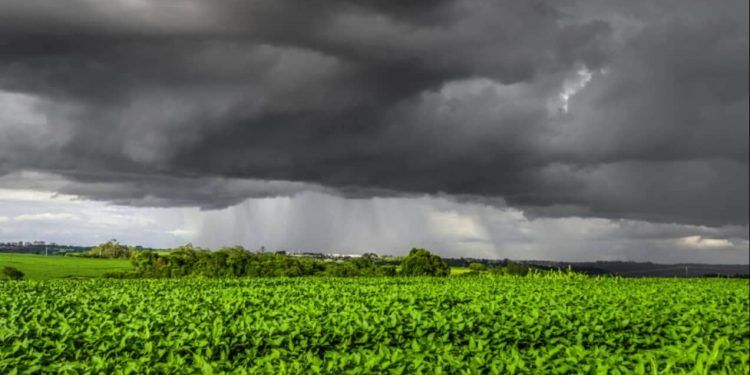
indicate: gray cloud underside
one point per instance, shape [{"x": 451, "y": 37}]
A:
[{"x": 207, "y": 103}]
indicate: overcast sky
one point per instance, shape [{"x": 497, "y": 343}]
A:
[{"x": 570, "y": 130}]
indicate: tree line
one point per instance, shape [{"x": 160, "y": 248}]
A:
[{"x": 189, "y": 260}]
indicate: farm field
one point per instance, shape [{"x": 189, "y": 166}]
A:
[
  {"x": 40, "y": 267},
  {"x": 538, "y": 324},
  {"x": 459, "y": 270}
]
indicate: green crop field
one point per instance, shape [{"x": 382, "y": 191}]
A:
[
  {"x": 473, "y": 325},
  {"x": 40, "y": 267},
  {"x": 459, "y": 270}
]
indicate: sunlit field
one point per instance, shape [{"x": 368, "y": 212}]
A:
[
  {"x": 40, "y": 267},
  {"x": 555, "y": 323}
]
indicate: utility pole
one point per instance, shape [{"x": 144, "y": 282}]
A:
[
  {"x": 686, "y": 271},
  {"x": 45, "y": 251}
]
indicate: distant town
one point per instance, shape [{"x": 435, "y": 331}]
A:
[
  {"x": 40, "y": 247},
  {"x": 26, "y": 244}
]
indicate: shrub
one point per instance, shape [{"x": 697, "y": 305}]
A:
[
  {"x": 13, "y": 273},
  {"x": 477, "y": 267},
  {"x": 110, "y": 249},
  {"x": 469, "y": 274},
  {"x": 421, "y": 262},
  {"x": 119, "y": 275}
]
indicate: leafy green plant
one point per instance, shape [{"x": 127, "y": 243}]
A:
[{"x": 551, "y": 323}]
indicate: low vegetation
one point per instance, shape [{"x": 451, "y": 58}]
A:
[
  {"x": 542, "y": 324},
  {"x": 111, "y": 250},
  {"x": 190, "y": 261},
  {"x": 421, "y": 262},
  {"x": 114, "y": 260},
  {"x": 13, "y": 273},
  {"x": 40, "y": 267}
]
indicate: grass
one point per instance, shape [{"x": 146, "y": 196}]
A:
[
  {"x": 459, "y": 270},
  {"x": 40, "y": 267}
]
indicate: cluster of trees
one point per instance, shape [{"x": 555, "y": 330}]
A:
[
  {"x": 238, "y": 262},
  {"x": 111, "y": 249},
  {"x": 511, "y": 268},
  {"x": 421, "y": 262}
]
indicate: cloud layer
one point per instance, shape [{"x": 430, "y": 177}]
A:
[
  {"x": 635, "y": 110},
  {"x": 312, "y": 221}
]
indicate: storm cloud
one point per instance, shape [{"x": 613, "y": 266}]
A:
[{"x": 622, "y": 110}]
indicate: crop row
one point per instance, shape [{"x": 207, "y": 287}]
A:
[{"x": 375, "y": 325}]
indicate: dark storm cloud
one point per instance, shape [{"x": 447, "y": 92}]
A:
[{"x": 182, "y": 102}]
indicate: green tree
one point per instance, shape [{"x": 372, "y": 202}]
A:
[
  {"x": 342, "y": 269},
  {"x": 144, "y": 263},
  {"x": 517, "y": 269},
  {"x": 367, "y": 260},
  {"x": 111, "y": 249},
  {"x": 13, "y": 273},
  {"x": 421, "y": 262},
  {"x": 512, "y": 268},
  {"x": 385, "y": 271},
  {"x": 477, "y": 267}
]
